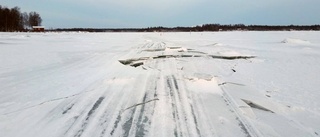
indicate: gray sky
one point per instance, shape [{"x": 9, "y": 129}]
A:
[{"x": 169, "y": 13}]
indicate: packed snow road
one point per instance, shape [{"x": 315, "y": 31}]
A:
[{"x": 159, "y": 84}]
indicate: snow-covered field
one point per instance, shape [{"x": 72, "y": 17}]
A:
[{"x": 160, "y": 84}]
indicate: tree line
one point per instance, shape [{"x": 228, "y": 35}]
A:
[
  {"x": 205, "y": 27},
  {"x": 233, "y": 27},
  {"x": 15, "y": 20}
]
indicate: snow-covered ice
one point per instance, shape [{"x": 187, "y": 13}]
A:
[{"x": 160, "y": 84}]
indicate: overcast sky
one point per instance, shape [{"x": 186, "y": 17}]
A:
[{"x": 169, "y": 13}]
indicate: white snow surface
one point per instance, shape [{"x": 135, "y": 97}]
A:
[
  {"x": 296, "y": 41},
  {"x": 160, "y": 84}
]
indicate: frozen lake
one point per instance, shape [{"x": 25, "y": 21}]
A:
[{"x": 160, "y": 84}]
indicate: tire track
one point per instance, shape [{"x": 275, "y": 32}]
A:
[
  {"x": 92, "y": 110},
  {"x": 125, "y": 121},
  {"x": 195, "y": 120},
  {"x": 174, "y": 110},
  {"x": 245, "y": 125},
  {"x": 110, "y": 125},
  {"x": 143, "y": 120}
]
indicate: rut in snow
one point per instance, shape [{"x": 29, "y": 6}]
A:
[
  {"x": 143, "y": 103},
  {"x": 92, "y": 110}
]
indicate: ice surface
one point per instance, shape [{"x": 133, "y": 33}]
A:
[{"x": 152, "y": 84}]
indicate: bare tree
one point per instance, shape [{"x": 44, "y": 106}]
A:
[
  {"x": 25, "y": 20},
  {"x": 34, "y": 19}
]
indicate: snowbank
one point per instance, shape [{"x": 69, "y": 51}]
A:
[{"x": 296, "y": 41}]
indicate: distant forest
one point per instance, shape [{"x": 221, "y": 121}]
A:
[
  {"x": 205, "y": 27},
  {"x": 14, "y": 20}
]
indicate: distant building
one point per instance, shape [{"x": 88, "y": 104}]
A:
[{"x": 38, "y": 28}]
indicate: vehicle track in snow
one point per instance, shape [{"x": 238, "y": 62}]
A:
[
  {"x": 180, "y": 106},
  {"x": 154, "y": 102},
  {"x": 124, "y": 84},
  {"x": 167, "y": 95},
  {"x": 165, "y": 81}
]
